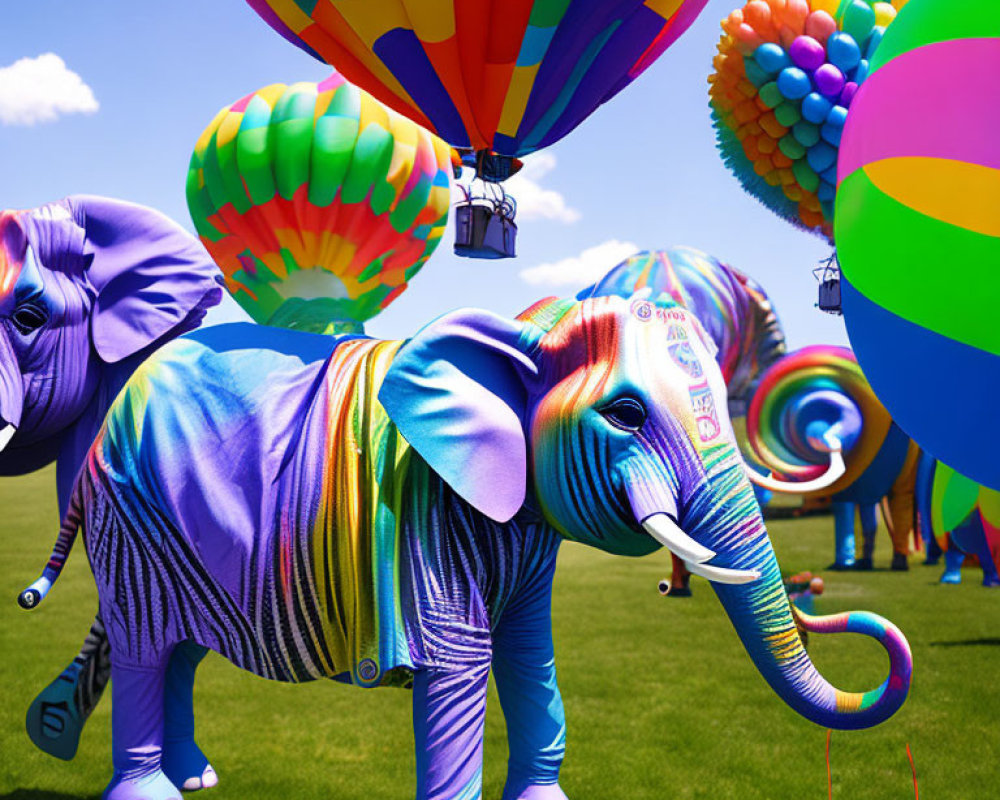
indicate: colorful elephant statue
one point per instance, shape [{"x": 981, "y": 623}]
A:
[
  {"x": 815, "y": 420},
  {"x": 89, "y": 287},
  {"x": 388, "y": 513},
  {"x": 733, "y": 309},
  {"x": 961, "y": 517}
]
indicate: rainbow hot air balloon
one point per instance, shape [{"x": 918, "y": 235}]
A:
[
  {"x": 319, "y": 203},
  {"x": 785, "y": 76},
  {"x": 508, "y": 77},
  {"x": 918, "y": 230}
]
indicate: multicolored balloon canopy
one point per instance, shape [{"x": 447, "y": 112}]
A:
[
  {"x": 954, "y": 497},
  {"x": 810, "y": 395},
  {"x": 918, "y": 230},
  {"x": 508, "y": 77},
  {"x": 733, "y": 308},
  {"x": 785, "y": 76},
  {"x": 317, "y": 202}
]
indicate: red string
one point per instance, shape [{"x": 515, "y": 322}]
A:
[
  {"x": 829, "y": 773},
  {"x": 913, "y": 769}
]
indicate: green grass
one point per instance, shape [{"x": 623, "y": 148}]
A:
[{"x": 661, "y": 700}]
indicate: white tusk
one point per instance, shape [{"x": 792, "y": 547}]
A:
[
  {"x": 662, "y": 528},
  {"x": 6, "y": 434},
  {"x": 721, "y": 574},
  {"x": 833, "y": 473}
]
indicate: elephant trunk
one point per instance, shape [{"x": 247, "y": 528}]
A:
[{"x": 730, "y": 523}]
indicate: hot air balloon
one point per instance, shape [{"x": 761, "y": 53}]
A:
[
  {"x": 918, "y": 230},
  {"x": 319, "y": 203},
  {"x": 785, "y": 76},
  {"x": 505, "y": 78}
]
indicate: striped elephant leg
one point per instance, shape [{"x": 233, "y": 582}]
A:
[{"x": 56, "y": 717}]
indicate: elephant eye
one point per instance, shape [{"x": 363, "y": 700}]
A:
[
  {"x": 28, "y": 318},
  {"x": 626, "y": 413}
]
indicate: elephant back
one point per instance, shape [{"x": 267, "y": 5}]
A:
[{"x": 813, "y": 390}]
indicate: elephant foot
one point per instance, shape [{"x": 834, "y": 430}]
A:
[
  {"x": 991, "y": 582},
  {"x": 899, "y": 563},
  {"x": 54, "y": 722},
  {"x": 841, "y": 566},
  {"x": 679, "y": 591},
  {"x": 864, "y": 565},
  {"x": 951, "y": 577},
  {"x": 153, "y": 786},
  {"x": 186, "y": 766},
  {"x": 932, "y": 561},
  {"x": 548, "y": 791}
]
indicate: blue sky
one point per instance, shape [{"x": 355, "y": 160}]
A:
[{"x": 642, "y": 170}]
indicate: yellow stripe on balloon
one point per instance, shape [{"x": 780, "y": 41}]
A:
[
  {"x": 370, "y": 19},
  {"x": 406, "y": 135},
  {"x": 849, "y": 701},
  {"x": 433, "y": 20},
  {"x": 665, "y": 8},
  {"x": 522, "y": 79},
  {"x": 956, "y": 192},
  {"x": 289, "y": 12}
]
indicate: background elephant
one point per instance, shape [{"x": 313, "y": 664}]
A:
[
  {"x": 89, "y": 287},
  {"x": 380, "y": 511},
  {"x": 815, "y": 420}
]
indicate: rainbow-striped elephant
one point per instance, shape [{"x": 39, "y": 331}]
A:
[
  {"x": 390, "y": 512},
  {"x": 815, "y": 420}
]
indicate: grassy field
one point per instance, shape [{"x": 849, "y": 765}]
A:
[{"x": 661, "y": 700}]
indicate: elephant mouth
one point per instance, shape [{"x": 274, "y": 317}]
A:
[{"x": 662, "y": 527}]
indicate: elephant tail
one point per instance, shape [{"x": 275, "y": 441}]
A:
[{"x": 35, "y": 593}]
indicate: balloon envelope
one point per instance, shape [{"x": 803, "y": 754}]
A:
[
  {"x": 511, "y": 76},
  {"x": 317, "y": 202},
  {"x": 786, "y": 74},
  {"x": 918, "y": 230}
]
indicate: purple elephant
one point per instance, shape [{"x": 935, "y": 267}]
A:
[
  {"x": 389, "y": 513},
  {"x": 89, "y": 288}
]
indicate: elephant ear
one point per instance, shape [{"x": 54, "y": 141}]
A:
[
  {"x": 152, "y": 277},
  {"x": 458, "y": 392}
]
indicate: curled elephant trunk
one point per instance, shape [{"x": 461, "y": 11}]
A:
[{"x": 730, "y": 524}]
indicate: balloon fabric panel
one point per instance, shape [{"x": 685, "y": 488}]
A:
[
  {"x": 511, "y": 76},
  {"x": 918, "y": 237},
  {"x": 318, "y": 203}
]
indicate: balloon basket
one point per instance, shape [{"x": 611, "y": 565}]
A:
[
  {"x": 828, "y": 275},
  {"x": 484, "y": 224}
]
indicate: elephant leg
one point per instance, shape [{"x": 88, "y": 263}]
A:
[
  {"x": 843, "y": 521},
  {"x": 183, "y": 762},
  {"x": 869, "y": 527},
  {"x": 137, "y": 725},
  {"x": 901, "y": 512},
  {"x": 970, "y": 537},
  {"x": 449, "y": 710},
  {"x": 56, "y": 718},
  {"x": 953, "y": 558}
]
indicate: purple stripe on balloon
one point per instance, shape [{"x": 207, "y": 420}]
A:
[{"x": 913, "y": 106}]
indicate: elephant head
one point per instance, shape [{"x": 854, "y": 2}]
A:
[
  {"x": 610, "y": 416},
  {"x": 735, "y": 311},
  {"x": 815, "y": 420},
  {"x": 85, "y": 283}
]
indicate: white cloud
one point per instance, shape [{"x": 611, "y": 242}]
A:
[
  {"x": 40, "y": 89},
  {"x": 533, "y": 201},
  {"x": 579, "y": 271}
]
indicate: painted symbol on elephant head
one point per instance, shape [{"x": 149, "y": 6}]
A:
[{"x": 706, "y": 417}]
